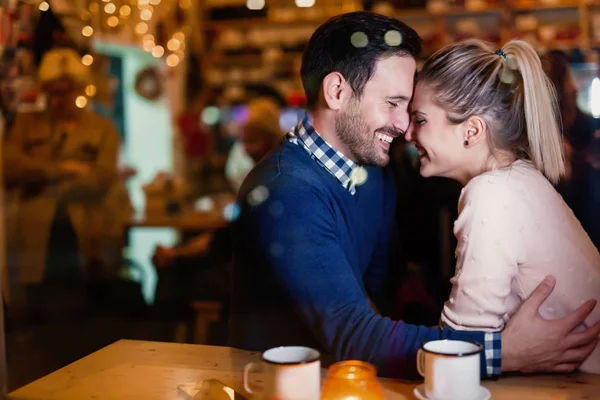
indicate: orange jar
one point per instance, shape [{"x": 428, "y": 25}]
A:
[{"x": 356, "y": 380}]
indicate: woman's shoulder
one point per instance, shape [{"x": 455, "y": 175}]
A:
[{"x": 508, "y": 187}]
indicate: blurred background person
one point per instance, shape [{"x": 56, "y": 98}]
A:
[
  {"x": 259, "y": 135},
  {"x": 578, "y": 135},
  {"x": 198, "y": 268},
  {"x": 60, "y": 163}
]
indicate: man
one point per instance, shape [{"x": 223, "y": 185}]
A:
[
  {"x": 314, "y": 236},
  {"x": 59, "y": 165}
]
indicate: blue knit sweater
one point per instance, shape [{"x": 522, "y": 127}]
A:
[{"x": 306, "y": 254}]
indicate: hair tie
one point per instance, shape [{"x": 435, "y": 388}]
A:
[{"x": 501, "y": 53}]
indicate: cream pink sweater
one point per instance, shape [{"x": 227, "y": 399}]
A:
[{"x": 514, "y": 229}]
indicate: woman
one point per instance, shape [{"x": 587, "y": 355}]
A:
[{"x": 488, "y": 119}]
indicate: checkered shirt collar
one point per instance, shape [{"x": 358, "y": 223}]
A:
[{"x": 332, "y": 160}]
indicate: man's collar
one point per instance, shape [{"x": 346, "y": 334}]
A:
[{"x": 332, "y": 160}]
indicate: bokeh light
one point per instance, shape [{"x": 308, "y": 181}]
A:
[
  {"x": 231, "y": 212},
  {"x": 90, "y": 90},
  {"x": 276, "y": 209},
  {"x": 305, "y": 3},
  {"x": 141, "y": 28},
  {"x": 255, "y": 4},
  {"x": 172, "y": 60},
  {"x": 258, "y": 195},
  {"x": 125, "y": 10},
  {"x": 359, "y": 39},
  {"x": 393, "y": 38},
  {"x": 81, "y": 101},
  {"x": 87, "y": 31},
  {"x": 87, "y": 60},
  {"x": 112, "y": 21},
  {"x": 173, "y": 44},
  {"x": 146, "y": 15},
  {"x": 211, "y": 115},
  {"x": 276, "y": 249},
  {"x": 158, "y": 51},
  {"x": 44, "y": 6},
  {"x": 359, "y": 176},
  {"x": 110, "y": 8}
]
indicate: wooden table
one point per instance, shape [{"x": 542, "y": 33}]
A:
[{"x": 129, "y": 370}]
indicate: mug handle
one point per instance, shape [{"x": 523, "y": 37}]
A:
[
  {"x": 247, "y": 369},
  {"x": 421, "y": 362}
]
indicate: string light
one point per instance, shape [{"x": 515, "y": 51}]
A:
[
  {"x": 305, "y": 3},
  {"x": 87, "y": 60},
  {"x": 172, "y": 60},
  {"x": 255, "y": 4},
  {"x": 125, "y": 10},
  {"x": 179, "y": 36},
  {"x": 173, "y": 44},
  {"x": 146, "y": 15},
  {"x": 90, "y": 90},
  {"x": 81, "y": 101},
  {"x": 148, "y": 43},
  {"x": 155, "y": 2},
  {"x": 112, "y": 21},
  {"x": 110, "y": 8},
  {"x": 158, "y": 51},
  {"x": 141, "y": 28},
  {"x": 94, "y": 7},
  {"x": 87, "y": 31},
  {"x": 44, "y": 6}
]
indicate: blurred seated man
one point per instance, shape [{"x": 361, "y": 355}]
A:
[
  {"x": 59, "y": 165},
  {"x": 259, "y": 135},
  {"x": 196, "y": 270}
]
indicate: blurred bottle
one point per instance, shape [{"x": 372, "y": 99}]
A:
[{"x": 352, "y": 380}]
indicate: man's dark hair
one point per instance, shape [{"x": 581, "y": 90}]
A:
[{"x": 330, "y": 49}]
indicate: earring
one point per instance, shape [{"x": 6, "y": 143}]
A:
[{"x": 466, "y": 142}]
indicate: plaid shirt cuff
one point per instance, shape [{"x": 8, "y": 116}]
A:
[{"x": 493, "y": 354}]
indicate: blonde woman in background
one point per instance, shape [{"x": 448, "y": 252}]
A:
[
  {"x": 488, "y": 119},
  {"x": 59, "y": 165}
]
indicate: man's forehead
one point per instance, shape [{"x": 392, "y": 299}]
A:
[{"x": 395, "y": 72}]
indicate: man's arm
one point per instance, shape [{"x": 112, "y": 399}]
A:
[
  {"x": 19, "y": 167},
  {"x": 312, "y": 269},
  {"x": 532, "y": 344},
  {"x": 103, "y": 171}
]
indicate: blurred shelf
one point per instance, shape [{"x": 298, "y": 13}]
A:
[
  {"x": 537, "y": 6},
  {"x": 249, "y": 59},
  {"x": 246, "y": 23},
  {"x": 419, "y": 13}
]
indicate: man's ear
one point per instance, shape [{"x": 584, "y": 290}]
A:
[{"x": 336, "y": 90}]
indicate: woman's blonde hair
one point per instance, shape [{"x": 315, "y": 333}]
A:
[{"x": 509, "y": 90}]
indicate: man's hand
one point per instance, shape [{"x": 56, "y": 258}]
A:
[{"x": 532, "y": 344}]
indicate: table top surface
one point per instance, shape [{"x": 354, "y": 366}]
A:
[
  {"x": 151, "y": 370},
  {"x": 188, "y": 219}
]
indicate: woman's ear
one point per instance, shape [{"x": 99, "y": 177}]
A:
[{"x": 476, "y": 130}]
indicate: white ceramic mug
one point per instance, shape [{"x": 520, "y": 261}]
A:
[
  {"x": 450, "y": 369},
  {"x": 290, "y": 373}
]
